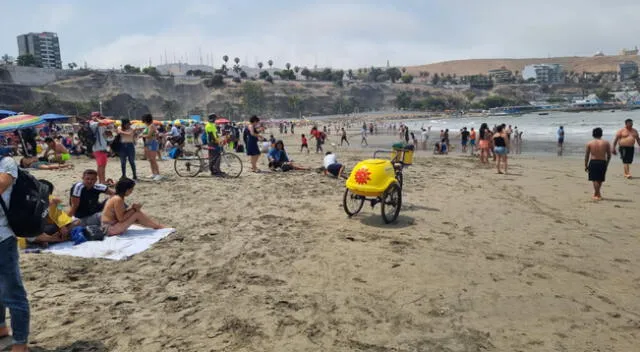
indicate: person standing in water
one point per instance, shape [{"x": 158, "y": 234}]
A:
[
  {"x": 627, "y": 137},
  {"x": 596, "y": 160},
  {"x": 560, "y": 135}
]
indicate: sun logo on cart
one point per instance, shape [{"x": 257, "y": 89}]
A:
[{"x": 362, "y": 176}]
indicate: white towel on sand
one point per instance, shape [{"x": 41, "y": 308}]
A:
[{"x": 137, "y": 239}]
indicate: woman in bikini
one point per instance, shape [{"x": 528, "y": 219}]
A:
[
  {"x": 116, "y": 218},
  {"x": 501, "y": 148},
  {"x": 483, "y": 145}
]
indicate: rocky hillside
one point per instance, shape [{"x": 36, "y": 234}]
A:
[{"x": 130, "y": 95}]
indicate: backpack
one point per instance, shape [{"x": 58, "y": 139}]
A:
[
  {"x": 29, "y": 206},
  {"x": 116, "y": 144},
  {"x": 87, "y": 136}
]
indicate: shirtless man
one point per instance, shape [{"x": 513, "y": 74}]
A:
[
  {"x": 596, "y": 160},
  {"x": 627, "y": 137},
  {"x": 60, "y": 153}
]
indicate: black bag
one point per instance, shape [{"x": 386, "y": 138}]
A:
[
  {"x": 240, "y": 148},
  {"x": 87, "y": 136},
  {"x": 29, "y": 206},
  {"x": 116, "y": 144},
  {"x": 93, "y": 233}
]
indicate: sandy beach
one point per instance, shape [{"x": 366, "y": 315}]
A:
[{"x": 270, "y": 262}]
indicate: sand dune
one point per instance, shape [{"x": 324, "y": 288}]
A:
[
  {"x": 482, "y": 66},
  {"x": 476, "y": 262}
]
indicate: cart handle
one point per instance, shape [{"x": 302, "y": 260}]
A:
[{"x": 380, "y": 151}]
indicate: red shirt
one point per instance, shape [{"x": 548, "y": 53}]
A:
[
  {"x": 316, "y": 133},
  {"x": 304, "y": 140}
]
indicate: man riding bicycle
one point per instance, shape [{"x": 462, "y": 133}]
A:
[{"x": 211, "y": 133}]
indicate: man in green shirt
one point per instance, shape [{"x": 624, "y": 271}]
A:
[{"x": 211, "y": 132}]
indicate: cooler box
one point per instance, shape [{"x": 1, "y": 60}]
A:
[{"x": 402, "y": 153}]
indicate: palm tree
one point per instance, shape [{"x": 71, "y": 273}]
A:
[
  {"x": 270, "y": 62},
  {"x": 225, "y": 59},
  {"x": 236, "y": 60},
  {"x": 260, "y": 64},
  {"x": 8, "y": 60},
  {"x": 296, "y": 68},
  {"x": 287, "y": 65},
  {"x": 404, "y": 69}
]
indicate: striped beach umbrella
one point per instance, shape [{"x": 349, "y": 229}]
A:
[{"x": 16, "y": 122}]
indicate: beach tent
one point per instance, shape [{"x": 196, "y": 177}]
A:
[
  {"x": 221, "y": 121},
  {"x": 196, "y": 118},
  {"x": 54, "y": 117}
]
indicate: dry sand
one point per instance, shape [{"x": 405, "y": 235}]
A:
[{"x": 270, "y": 262}]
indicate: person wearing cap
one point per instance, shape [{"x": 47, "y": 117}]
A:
[
  {"x": 100, "y": 146},
  {"x": 211, "y": 132}
]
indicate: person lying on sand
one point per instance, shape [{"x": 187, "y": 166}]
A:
[
  {"x": 332, "y": 166},
  {"x": 60, "y": 153},
  {"x": 116, "y": 218},
  {"x": 279, "y": 159},
  {"x": 37, "y": 164},
  {"x": 85, "y": 199}
]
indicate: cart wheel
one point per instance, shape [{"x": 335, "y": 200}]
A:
[
  {"x": 188, "y": 164},
  {"x": 352, "y": 203},
  {"x": 391, "y": 203}
]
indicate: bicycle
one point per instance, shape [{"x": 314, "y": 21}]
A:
[{"x": 191, "y": 164}]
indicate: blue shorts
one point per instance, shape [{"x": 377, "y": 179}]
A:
[
  {"x": 473, "y": 142},
  {"x": 334, "y": 169},
  {"x": 500, "y": 150},
  {"x": 464, "y": 142},
  {"x": 152, "y": 146}
]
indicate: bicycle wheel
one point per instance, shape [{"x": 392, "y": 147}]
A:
[
  {"x": 352, "y": 203},
  {"x": 391, "y": 203},
  {"x": 230, "y": 164},
  {"x": 188, "y": 164}
]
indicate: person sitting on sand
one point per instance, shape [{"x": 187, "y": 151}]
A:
[
  {"x": 85, "y": 199},
  {"x": 332, "y": 166},
  {"x": 441, "y": 148},
  {"x": 37, "y": 164},
  {"x": 116, "y": 218},
  {"x": 60, "y": 153},
  {"x": 596, "y": 160},
  {"x": 58, "y": 224},
  {"x": 279, "y": 159}
]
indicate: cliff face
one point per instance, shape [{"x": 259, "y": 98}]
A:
[{"x": 131, "y": 95}]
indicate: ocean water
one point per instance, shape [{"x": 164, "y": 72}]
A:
[{"x": 540, "y": 131}]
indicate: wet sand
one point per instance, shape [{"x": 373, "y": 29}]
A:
[{"x": 270, "y": 262}]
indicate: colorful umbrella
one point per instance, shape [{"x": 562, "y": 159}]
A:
[
  {"x": 16, "y": 122},
  {"x": 221, "y": 121}
]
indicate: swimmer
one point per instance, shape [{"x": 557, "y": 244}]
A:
[
  {"x": 627, "y": 137},
  {"x": 596, "y": 160}
]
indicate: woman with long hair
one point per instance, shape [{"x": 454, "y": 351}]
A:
[
  {"x": 116, "y": 218},
  {"x": 151, "y": 145},
  {"x": 483, "y": 144},
  {"x": 127, "y": 148},
  {"x": 501, "y": 148},
  {"x": 252, "y": 137}
]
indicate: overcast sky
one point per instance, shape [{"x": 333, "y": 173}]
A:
[{"x": 110, "y": 33}]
